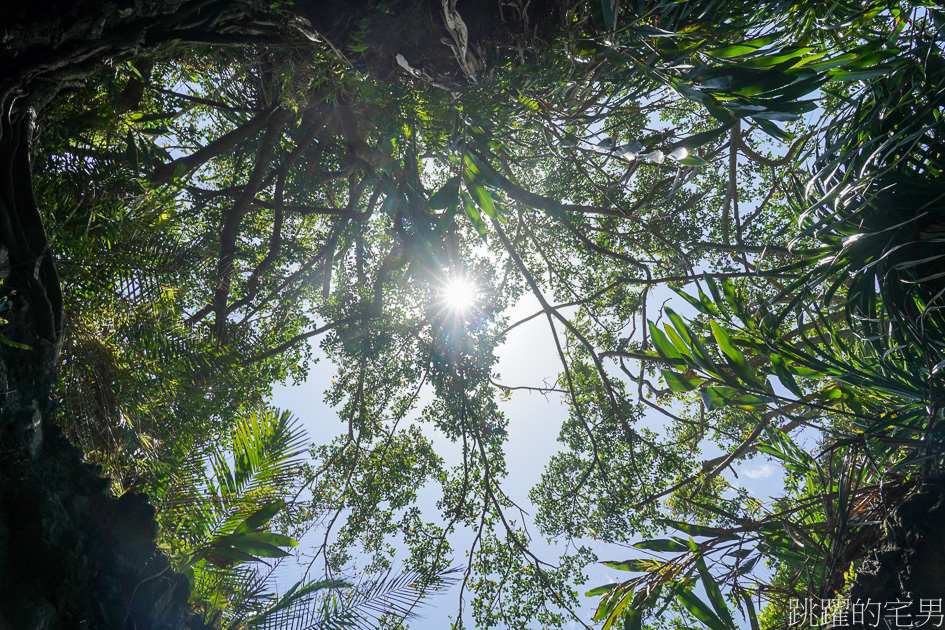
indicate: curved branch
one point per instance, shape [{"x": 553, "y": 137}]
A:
[
  {"x": 229, "y": 231},
  {"x": 225, "y": 143}
]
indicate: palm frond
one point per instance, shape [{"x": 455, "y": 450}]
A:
[
  {"x": 224, "y": 485},
  {"x": 306, "y": 607}
]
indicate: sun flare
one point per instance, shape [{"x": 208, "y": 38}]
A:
[{"x": 459, "y": 294}]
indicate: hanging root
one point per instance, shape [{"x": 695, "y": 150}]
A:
[{"x": 32, "y": 283}]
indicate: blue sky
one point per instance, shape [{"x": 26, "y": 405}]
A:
[{"x": 527, "y": 358}]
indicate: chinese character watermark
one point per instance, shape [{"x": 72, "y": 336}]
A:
[{"x": 859, "y": 613}]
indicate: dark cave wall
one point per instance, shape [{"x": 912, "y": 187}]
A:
[
  {"x": 71, "y": 555},
  {"x": 910, "y": 565}
]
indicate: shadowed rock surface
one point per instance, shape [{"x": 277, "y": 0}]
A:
[{"x": 910, "y": 566}]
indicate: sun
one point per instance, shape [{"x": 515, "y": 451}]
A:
[{"x": 459, "y": 294}]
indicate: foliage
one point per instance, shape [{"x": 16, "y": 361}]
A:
[
  {"x": 214, "y": 512},
  {"x": 255, "y": 197},
  {"x": 849, "y": 348}
]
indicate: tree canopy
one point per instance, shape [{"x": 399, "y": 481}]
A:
[{"x": 728, "y": 213}]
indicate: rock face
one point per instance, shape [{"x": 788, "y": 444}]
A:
[
  {"x": 910, "y": 567},
  {"x": 71, "y": 555}
]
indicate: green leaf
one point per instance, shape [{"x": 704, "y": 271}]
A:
[
  {"x": 15, "y": 344},
  {"x": 179, "y": 171},
  {"x": 666, "y": 349},
  {"x": 784, "y": 374},
  {"x": 693, "y": 160},
  {"x": 748, "y": 566},
  {"x": 446, "y": 219},
  {"x": 477, "y": 170},
  {"x": 750, "y": 402},
  {"x": 714, "y": 593},
  {"x": 298, "y": 592},
  {"x": 600, "y": 590},
  {"x": 752, "y": 616},
  {"x": 131, "y": 150},
  {"x": 680, "y": 383},
  {"x": 248, "y": 545},
  {"x": 473, "y": 214},
  {"x": 731, "y": 51},
  {"x": 703, "y": 305},
  {"x": 696, "y": 530},
  {"x": 699, "y": 353},
  {"x": 447, "y": 196},
  {"x": 662, "y": 544},
  {"x": 776, "y": 116},
  {"x": 691, "y": 93},
  {"x": 772, "y": 129},
  {"x": 483, "y": 199},
  {"x": 699, "y": 610},
  {"x": 833, "y": 62},
  {"x": 259, "y": 518},
  {"x": 796, "y": 55},
  {"x": 736, "y": 359},
  {"x": 637, "y": 564},
  {"x": 230, "y": 552},
  {"x": 613, "y": 602},
  {"x": 743, "y": 48},
  {"x": 717, "y": 299},
  {"x": 608, "y": 8},
  {"x": 679, "y": 325},
  {"x": 270, "y": 538},
  {"x": 771, "y": 450},
  {"x": 681, "y": 346},
  {"x": 717, "y": 397},
  {"x": 633, "y": 619},
  {"x": 617, "y": 610},
  {"x": 862, "y": 75},
  {"x": 731, "y": 296},
  {"x": 586, "y": 47},
  {"x": 699, "y": 139}
]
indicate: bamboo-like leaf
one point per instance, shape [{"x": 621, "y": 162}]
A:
[
  {"x": 702, "y": 305},
  {"x": 260, "y": 517},
  {"x": 247, "y": 545},
  {"x": 638, "y": 564},
  {"x": 784, "y": 374},
  {"x": 662, "y": 544},
  {"x": 699, "y": 610},
  {"x": 736, "y": 359},
  {"x": 600, "y": 590},
  {"x": 447, "y": 196},
  {"x": 714, "y": 593},
  {"x": 633, "y": 619},
  {"x": 697, "y": 530},
  {"x": 472, "y": 213},
  {"x": 679, "y": 382},
  {"x": 752, "y": 616},
  {"x": 662, "y": 344}
]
